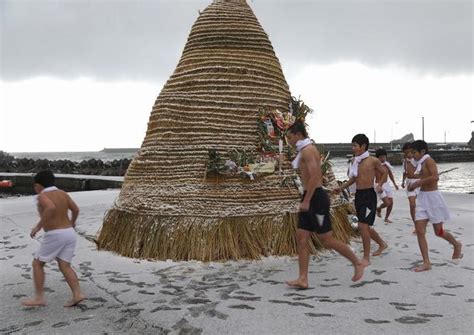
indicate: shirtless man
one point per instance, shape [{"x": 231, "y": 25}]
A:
[
  {"x": 430, "y": 204},
  {"x": 59, "y": 239},
  {"x": 314, "y": 213},
  {"x": 409, "y": 167},
  {"x": 387, "y": 194},
  {"x": 363, "y": 172}
]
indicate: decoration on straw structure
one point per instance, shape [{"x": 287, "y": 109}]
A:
[{"x": 183, "y": 196}]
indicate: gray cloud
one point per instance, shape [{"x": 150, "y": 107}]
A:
[{"x": 143, "y": 40}]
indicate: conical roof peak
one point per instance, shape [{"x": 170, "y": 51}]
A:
[{"x": 227, "y": 73}]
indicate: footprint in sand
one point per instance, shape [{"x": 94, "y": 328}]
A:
[
  {"x": 165, "y": 308},
  {"x": 207, "y": 310},
  {"x": 184, "y": 327},
  {"x": 318, "y": 315},
  {"x": 244, "y": 293},
  {"x": 438, "y": 294},
  {"x": 293, "y": 294},
  {"x": 366, "y": 299},
  {"x": 241, "y": 307},
  {"x": 309, "y": 298},
  {"x": 376, "y": 321},
  {"x": 378, "y": 272},
  {"x": 60, "y": 324},
  {"x": 291, "y": 303},
  {"x": 82, "y": 319},
  {"x": 383, "y": 282},
  {"x": 146, "y": 292},
  {"x": 424, "y": 315},
  {"x": 412, "y": 320},
  {"x": 403, "y": 306},
  {"x": 452, "y": 286},
  {"x": 245, "y": 298}
]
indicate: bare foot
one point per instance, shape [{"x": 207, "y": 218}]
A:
[
  {"x": 32, "y": 302},
  {"x": 378, "y": 211},
  {"x": 298, "y": 283},
  {"x": 75, "y": 300},
  {"x": 365, "y": 262},
  {"x": 423, "y": 267},
  {"x": 387, "y": 221},
  {"x": 414, "y": 231},
  {"x": 379, "y": 251},
  {"x": 457, "y": 255},
  {"x": 358, "y": 272}
]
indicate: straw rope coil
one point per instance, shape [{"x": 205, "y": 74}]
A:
[{"x": 227, "y": 72}]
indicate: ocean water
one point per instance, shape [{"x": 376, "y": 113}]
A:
[{"x": 460, "y": 180}]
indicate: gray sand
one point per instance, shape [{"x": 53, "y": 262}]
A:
[{"x": 246, "y": 297}]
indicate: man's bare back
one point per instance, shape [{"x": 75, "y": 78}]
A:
[{"x": 53, "y": 207}]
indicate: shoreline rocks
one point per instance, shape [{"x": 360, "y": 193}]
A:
[{"x": 92, "y": 166}]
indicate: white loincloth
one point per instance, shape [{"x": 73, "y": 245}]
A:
[
  {"x": 413, "y": 193},
  {"x": 431, "y": 205},
  {"x": 57, "y": 243},
  {"x": 387, "y": 191}
]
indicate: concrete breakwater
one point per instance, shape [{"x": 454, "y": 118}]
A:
[
  {"x": 396, "y": 156},
  {"x": 23, "y": 183},
  {"x": 71, "y": 176},
  {"x": 92, "y": 166}
]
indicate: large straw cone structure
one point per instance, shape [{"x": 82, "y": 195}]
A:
[{"x": 167, "y": 209}]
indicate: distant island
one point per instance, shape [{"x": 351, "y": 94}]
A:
[{"x": 113, "y": 150}]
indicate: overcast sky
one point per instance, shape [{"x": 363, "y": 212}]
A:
[{"x": 374, "y": 66}]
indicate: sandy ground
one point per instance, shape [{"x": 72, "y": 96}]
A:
[{"x": 246, "y": 297}]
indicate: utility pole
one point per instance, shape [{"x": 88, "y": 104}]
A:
[
  {"x": 391, "y": 135},
  {"x": 423, "y": 128}
]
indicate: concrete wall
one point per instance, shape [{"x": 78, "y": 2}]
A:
[{"x": 23, "y": 184}]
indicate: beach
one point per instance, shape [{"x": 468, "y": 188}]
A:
[{"x": 139, "y": 296}]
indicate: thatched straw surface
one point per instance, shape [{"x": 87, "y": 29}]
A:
[{"x": 227, "y": 72}]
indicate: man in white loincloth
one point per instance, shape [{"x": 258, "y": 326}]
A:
[
  {"x": 409, "y": 166},
  {"x": 59, "y": 239},
  {"x": 387, "y": 194},
  {"x": 430, "y": 204}
]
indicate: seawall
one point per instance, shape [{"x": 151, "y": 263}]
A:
[
  {"x": 396, "y": 156},
  {"x": 23, "y": 183}
]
